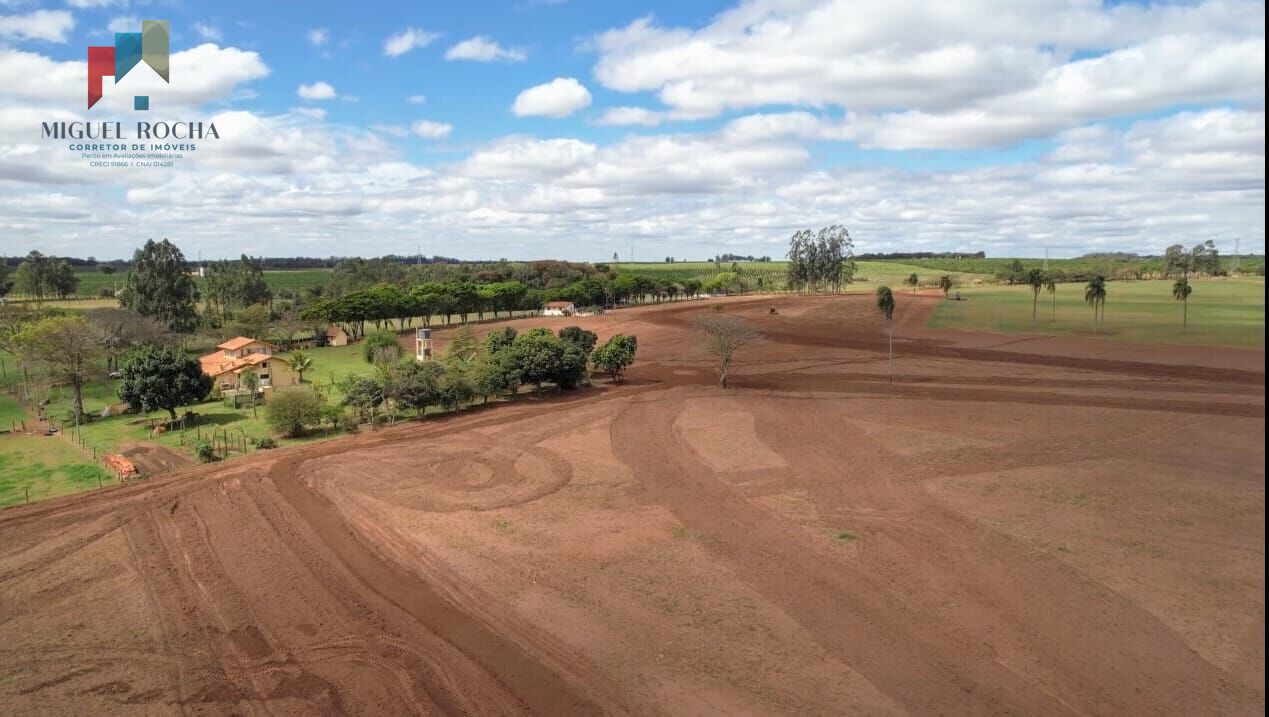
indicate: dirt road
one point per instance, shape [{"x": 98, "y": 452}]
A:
[{"x": 1014, "y": 526}]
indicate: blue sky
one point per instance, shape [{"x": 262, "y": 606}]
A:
[{"x": 569, "y": 128}]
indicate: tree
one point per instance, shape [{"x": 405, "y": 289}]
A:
[
  {"x": 67, "y": 346},
  {"x": 1176, "y": 261},
  {"x": 1181, "y": 291},
  {"x": 724, "y": 336},
  {"x": 162, "y": 378},
  {"x": 381, "y": 347},
  {"x": 885, "y": 304},
  {"x": 1205, "y": 259},
  {"x": 579, "y": 337},
  {"x": 5, "y": 284},
  {"x": 364, "y": 393},
  {"x": 913, "y": 280},
  {"x": 816, "y": 261},
  {"x": 34, "y": 276},
  {"x": 539, "y": 356},
  {"x": 300, "y": 363},
  {"x": 1050, "y": 285},
  {"x": 1035, "y": 279},
  {"x": 120, "y": 331},
  {"x": 946, "y": 284},
  {"x": 292, "y": 410},
  {"x": 499, "y": 339},
  {"x": 493, "y": 375},
  {"x": 250, "y": 382},
  {"x": 615, "y": 356},
  {"x": 1095, "y": 296},
  {"x": 417, "y": 385},
  {"x": 159, "y": 286}
]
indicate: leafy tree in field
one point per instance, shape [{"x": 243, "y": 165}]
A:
[
  {"x": 1035, "y": 280},
  {"x": 946, "y": 284},
  {"x": 417, "y": 385},
  {"x": 540, "y": 357},
  {"x": 1176, "y": 261},
  {"x": 1050, "y": 285},
  {"x": 691, "y": 287},
  {"x": 1181, "y": 291},
  {"x": 164, "y": 378},
  {"x": 821, "y": 260},
  {"x": 363, "y": 393},
  {"x": 913, "y": 280},
  {"x": 499, "y": 339},
  {"x": 1095, "y": 296},
  {"x": 250, "y": 382},
  {"x": 885, "y": 304},
  {"x": 381, "y": 347},
  {"x": 67, "y": 346},
  {"x": 453, "y": 389},
  {"x": 291, "y": 411},
  {"x": 615, "y": 356},
  {"x": 159, "y": 286},
  {"x": 724, "y": 336},
  {"x": 301, "y": 363},
  {"x": 493, "y": 375},
  {"x": 579, "y": 337},
  {"x": 1205, "y": 259},
  {"x": 463, "y": 346},
  {"x": 40, "y": 277},
  {"x": 5, "y": 284}
]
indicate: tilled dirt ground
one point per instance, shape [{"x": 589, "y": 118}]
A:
[{"x": 1014, "y": 526}]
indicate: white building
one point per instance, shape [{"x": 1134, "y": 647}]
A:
[
  {"x": 559, "y": 308},
  {"x": 423, "y": 345}
]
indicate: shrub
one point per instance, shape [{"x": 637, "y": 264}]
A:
[
  {"x": 380, "y": 347},
  {"x": 266, "y": 443},
  {"x": 292, "y": 410},
  {"x": 205, "y": 452}
]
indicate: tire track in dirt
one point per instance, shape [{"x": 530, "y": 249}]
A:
[{"x": 538, "y": 689}]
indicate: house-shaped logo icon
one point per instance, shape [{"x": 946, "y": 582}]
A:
[{"x": 149, "y": 46}]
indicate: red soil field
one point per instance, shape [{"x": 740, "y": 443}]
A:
[{"x": 1014, "y": 526}]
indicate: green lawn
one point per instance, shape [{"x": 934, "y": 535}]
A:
[
  {"x": 45, "y": 466},
  {"x": 1222, "y": 312}
]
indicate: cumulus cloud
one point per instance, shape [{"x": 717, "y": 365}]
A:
[
  {"x": 558, "y": 98},
  {"x": 408, "y": 39},
  {"x": 208, "y": 73},
  {"x": 417, "y": 99},
  {"x": 318, "y": 36},
  {"x": 85, "y": 4},
  {"x": 428, "y": 129},
  {"x": 47, "y": 25},
  {"x": 969, "y": 75},
  {"x": 483, "y": 49},
  {"x": 316, "y": 91}
]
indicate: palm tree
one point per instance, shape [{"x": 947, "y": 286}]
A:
[
  {"x": 913, "y": 280},
  {"x": 1095, "y": 296},
  {"x": 300, "y": 362},
  {"x": 1181, "y": 291},
  {"x": 885, "y": 304},
  {"x": 946, "y": 284},
  {"x": 1050, "y": 285},
  {"x": 1035, "y": 279}
]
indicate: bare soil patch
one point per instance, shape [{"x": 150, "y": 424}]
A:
[{"x": 1065, "y": 526}]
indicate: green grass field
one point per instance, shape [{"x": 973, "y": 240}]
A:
[
  {"x": 868, "y": 274},
  {"x": 45, "y": 467},
  {"x": 92, "y": 282},
  {"x": 1222, "y": 312}
]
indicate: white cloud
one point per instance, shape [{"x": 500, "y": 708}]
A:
[
  {"x": 408, "y": 39},
  {"x": 483, "y": 49},
  {"x": 208, "y": 32},
  {"x": 316, "y": 91},
  {"x": 85, "y": 4},
  {"x": 631, "y": 116},
  {"x": 208, "y": 73},
  {"x": 124, "y": 23},
  {"x": 428, "y": 129},
  {"x": 48, "y": 25},
  {"x": 318, "y": 36},
  {"x": 417, "y": 99},
  {"x": 558, "y": 98},
  {"x": 967, "y": 75}
]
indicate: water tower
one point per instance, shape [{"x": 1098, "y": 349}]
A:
[{"x": 423, "y": 345}]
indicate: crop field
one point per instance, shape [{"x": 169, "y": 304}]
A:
[
  {"x": 1222, "y": 312},
  {"x": 868, "y": 275},
  {"x": 296, "y": 280},
  {"x": 1060, "y": 526}
]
